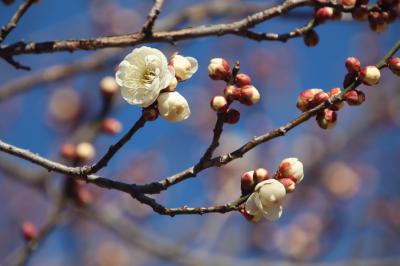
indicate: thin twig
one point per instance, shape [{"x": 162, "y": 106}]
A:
[{"x": 151, "y": 18}]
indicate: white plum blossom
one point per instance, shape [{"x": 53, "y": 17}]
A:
[
  {"x": 184, "y": 66},
  {"x": 266, "y": 200},
  {"x": 173, "y": 106},
  {"x": 142, "y": 75}
]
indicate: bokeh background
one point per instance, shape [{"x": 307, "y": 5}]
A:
[{"x": 345, "y": 211}]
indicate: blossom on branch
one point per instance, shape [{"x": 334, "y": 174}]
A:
[
  {"x": 142, "y": 75},
  {"x": 173, "y": 106}
]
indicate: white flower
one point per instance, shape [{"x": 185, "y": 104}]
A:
[
  {"x": 142, "y": 75},
  {"x": 291, "y": 168},
  {"x": 173, "y": 106},
  {"x": 184, "y": 67},
  {"x": 266, "y": 200}
]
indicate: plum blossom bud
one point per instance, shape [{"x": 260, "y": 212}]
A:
[
  {"x": 29, "y": 231},
  {"x": 249, "y": 95},
  {"x": 219, "y": 104},
  {"x": 370, "y": 75},
  {"x": 321, "y": 97},
  {"x": 311, "y": 38},
  {"x": 266, "y": 199},
  {"x": 68, "y": 151},
  {"x": 82, "y": 195},
  {"x": 247, "y": 182},
  {"x": 85, "y": 151},
  {"x": 349, "y": 78},
  {"x": 108, "y": 86},
  {"x": 333, "y": 93},
  {"x": 348, "y": 3},
  {"x": 291, "y": 168},
  {"x": 354, "y": 97},
  {"x": 306, "y": 101},
  {"x": 260, "y": 174},
  {"x": 111, "y": 126},
  {"x": 219, "y": 69},
  {"x": 150, "y": 113},
  {"x": 326, "y": 119},
  {"x": 231, "y": 93},
  {"x": 172, "y": 85},
  {"x": 376, "y": 21},
  {"x": 184, "y": 67},
  {"x": 251, "y": 218},
  {"x": 173, "y": 106},
  {"x": 353, "y": 64},
  {"x": 394, "y": 65},
  {"x": 232, "y": 116},
  {"x": 323, "y": 14},
  {"x": 242, "y": 80},
  {"x": 289, "y": 184}
]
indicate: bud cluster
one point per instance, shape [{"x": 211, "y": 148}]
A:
[
  {"x": 238, "y": 89},
  {"x": 267, "y": 193}
]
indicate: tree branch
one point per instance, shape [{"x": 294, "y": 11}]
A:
[{"x": 151, "y": 18}]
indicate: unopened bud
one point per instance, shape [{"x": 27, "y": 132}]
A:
[
  {"x": 172, "y": 85},
  {"x": 108, "y": 86},
  {"x": 249, "y": 95},
  {"x": 370, "y": 75},
  {"x": 311, "y": 38},
  {"x": 394, "y": 65},
  {"x": 29, "y": 231},
  {"x": 291, "y": 168},
  {"x": 242, "y": 80},
  {"x": 321, "y": 97},
  {"x": 354, "y": 97},
  {"x": 111, "y": 126},
  {"x": 68, "y": 151},
  {"x": 150, "y": 113},
  {"x": 349, "y": 79},
  {"x": 289, "y": 184},
  {"x": 360, "y": 13},
  {"x": 247, "y": 182},
  {"x": 326, "y": 119},
  {"x": 231, "y": 93},
  {"x": 323, "y": 14},
  {"x": 260, "y": 174},
  {"x": 85, "y": 151},
  {"x": 184, "y": 66},
  {"x": 251, "y": 218},
  {"x": 348, "y": 3},
  {"x": 232, "y": 116},
  {"x": 353, "y": 64},
  {"x": 219, "y": 69},
  {"x": 376, "y": 21},
  {"x": 219, "y": 104},
  {"x": 333, "y": 93},
  {"x": 306, "y": 99}
]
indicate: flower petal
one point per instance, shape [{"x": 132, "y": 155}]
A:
[
  {"x": 194, "y": 64},
  {"x": 250, "y": 205},
  {"x": 273, "y": 212}
]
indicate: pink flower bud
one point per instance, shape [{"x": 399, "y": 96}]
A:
[
  {"x": 376, "y": 21},
  {"x": 219, "y": 104},
  {"x": 111, "y": 126},
  {"x": 370, "y": 75},
  {"x": 249, "y": 95},
  {"x": 29, "y": 231},
  {"x": 232, "y": 116},
  {"x": 321, "y": 97},
  {"x": 85, "y": 151},
  {"x": 335, "y": 92},
  {"x": 108, "y": 86},
  {"x": 288, "y": 183},
  {"x": 354, "y": 97},
  {"x": 291, "y": 168},
  {"x": 306, "y": 101},
  {"x": 394, "y": 65},
  {"x": 219, "y": 69},
  {"x": 348, "y": 3},
  {"x": 150, "y": 113},
  {"x": 326, "y": 119},
  {"x": 260, "y": 174},
  {"x": 247, "y": 182},
  {"x": 68, "y": 151},
  {"x": 349, "y": 79},
  {"x": 353, "y": 64},
  {"x": 311, "y": 38},
  {"x": 242, "y": 80},
  {"x": 323, "y": 14},
  {"x": 231, "y": 93}
]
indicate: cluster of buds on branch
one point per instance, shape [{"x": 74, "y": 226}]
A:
[
  {"x": 238, "y": 88},
  {"x": 267, "y": 193},
  {"x": 147, "y": 79}
]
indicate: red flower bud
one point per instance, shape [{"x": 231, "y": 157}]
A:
[
  {"x": 326, "y": 119},
  {"x": 219, "y": 69},
  {"x": 68, "y": 151},
  {"x": 232, "y": 116},
  {"x": 311, "y": 38},
  {"x": 323, "y": 14},
  {"x": 249, "y": 95},
  {"x": 353, "y": 64},
  {"x": 111, "y": 126},
  {"x": 354, "y": 97},
  {"x": 394, "y": 65},
  {"x": 288, "y": 183},
  {"x": 260, "y": 174},
  {"x": 29, "y": 231},
  {"x": 219, "y": 104},
  {"x": 242, "y": 80},
  {"x": 247, "y": 182},
  {"x": 231, "y": 93}
]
